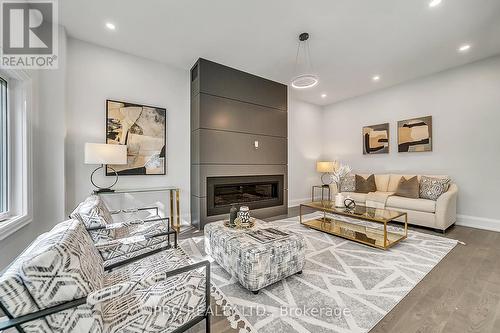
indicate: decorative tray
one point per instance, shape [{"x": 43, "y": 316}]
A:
[{"x": 238, "y": 225}]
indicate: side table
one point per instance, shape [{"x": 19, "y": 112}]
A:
[{"x": 323, "y": 188}]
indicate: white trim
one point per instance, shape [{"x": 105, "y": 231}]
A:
[
  {"x": 12, "y": 225},
  {"x": 296, "y": 202},
  {"x": 21, "y": 109},
  {"x": 4, "y": 215},
  {"x": 478, "y": 222}
]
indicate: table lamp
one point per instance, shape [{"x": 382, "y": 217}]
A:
[
  {"x": 326, "y": 168},
  {"x": 101, "y": 153}
]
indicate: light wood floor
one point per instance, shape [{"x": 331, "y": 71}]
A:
[{"x": 461, "y": 294}]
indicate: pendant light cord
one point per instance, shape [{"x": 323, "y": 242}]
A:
[
  {"x": 311, "y": 68},
  {"x": 307, "y": 57},
  {"x": 295, "y": 70}
]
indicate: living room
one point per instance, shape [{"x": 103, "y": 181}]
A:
[{"x": 250, "y": 166}]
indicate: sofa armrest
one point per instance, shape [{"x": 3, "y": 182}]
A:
[
  {"x": 135, "y": 210},
  {"x": 40, "y": 314},
  {"x": 446, "y": 208},
  {"x": 126, "y": 224},
  {"x": 133, "y": 239},
  {"x": 121, "y": 251}
]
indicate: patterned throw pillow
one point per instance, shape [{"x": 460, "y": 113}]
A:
[
  {"x": 431, "y": 188},
  {"x": 348, "y": 183}
]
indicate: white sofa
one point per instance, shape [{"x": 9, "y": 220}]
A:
[{"x": 439, "y": 214}]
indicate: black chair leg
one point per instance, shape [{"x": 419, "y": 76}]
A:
[{"x": 207, "y": 324}]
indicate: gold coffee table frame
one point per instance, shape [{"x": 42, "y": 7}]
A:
[{"x": 375, "y": 237}]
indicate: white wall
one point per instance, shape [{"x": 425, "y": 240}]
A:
[
  {"x": 464, "y": 103},
  {"x": 465, "y": 106},
  {"x": 304, "y": 149},
  {"x": 71, "y": 111},
  {"x": 96, "y": 74},
  {"x": 48, "y": 134}
]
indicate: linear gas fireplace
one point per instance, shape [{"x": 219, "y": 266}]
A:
[{"x": 253, "y": 191}]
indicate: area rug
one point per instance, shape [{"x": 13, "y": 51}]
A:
[{"x": 345, "y": 286}]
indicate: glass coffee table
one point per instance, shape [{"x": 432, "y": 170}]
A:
[{"x": 373, "y": 234}]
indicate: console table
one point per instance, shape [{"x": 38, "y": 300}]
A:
[{"x": 173, "y": 198}]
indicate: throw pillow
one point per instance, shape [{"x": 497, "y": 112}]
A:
[
  {"x": 431, "y": 188},
  {"x": 408, "y": 188},
  {"x": 365, "y": 185},
  {"x": 348, "y": 183}
]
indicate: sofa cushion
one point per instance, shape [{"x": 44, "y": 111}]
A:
[
  {"x": 422, "y": 205},
  {"x": 92, "y": 212},
  {"x": 408, "y": 188},
  {"x": 15, "y": 297},
  {"x": 432, "y": 187},
  {"x": 163, "y": 307},
  {"x": 64, "y": 267},
  {"x": 382, "y": 182},
  {"x": 365, "y": 185},
  {"x": 357, "y": 197}
]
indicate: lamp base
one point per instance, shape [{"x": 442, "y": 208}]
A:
[
  {"x": 326, "y": 179},
  {"x": 103, "y": 190}
]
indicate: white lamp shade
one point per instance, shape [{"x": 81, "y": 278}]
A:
[
  {"x": 325, "y": 167},
  {"x": 101, "y": 153}
]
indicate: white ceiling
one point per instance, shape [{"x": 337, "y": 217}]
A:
[{"x": 351, "y": 40}]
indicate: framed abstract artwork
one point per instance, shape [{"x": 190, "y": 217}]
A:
[
  {"x": 415, "y": 135},
  {"x": 376, "y": 139},
  {"x": 144, "y": 130}
]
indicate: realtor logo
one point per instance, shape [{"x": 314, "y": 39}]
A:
[{"x": 29, "y": 34}]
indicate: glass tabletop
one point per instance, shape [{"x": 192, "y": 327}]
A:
[
  {"x": 363, "y": 212},
  {"x": 141, "y": 190}
]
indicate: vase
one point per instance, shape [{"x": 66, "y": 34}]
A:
[
  {"x": 339, "y": 200},
  {"x": 244, "y": 215},
  {"x": 233, "y": 213}
]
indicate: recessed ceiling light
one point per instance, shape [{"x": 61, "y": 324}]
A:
[
  {"x": 435, "y": 3},
  {"x": 323, "y": 95},
  {"x": 376, "y": 78},
  {"x": 110, "y": 26},
  {"x": 464, "y": 48}
]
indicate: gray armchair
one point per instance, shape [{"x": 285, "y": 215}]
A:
[
  {"x": 60, "y": 284},
  {"x": 120, "y": 241}
]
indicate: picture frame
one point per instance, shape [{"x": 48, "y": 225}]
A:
[
  {"x": 143, "y": 128},
  {"x": 415, "y": 135},
  {"x": 376, "y": 139}
]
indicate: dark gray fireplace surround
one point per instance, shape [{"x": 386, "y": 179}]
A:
[{"x": 238, "y": 143}]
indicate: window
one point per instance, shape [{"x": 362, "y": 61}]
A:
[
  {"x": 16, "y": 180},
  {"x": 4, "y": 201}
]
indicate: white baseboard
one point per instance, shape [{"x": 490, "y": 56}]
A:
[
  {"x": 296, "y": 202},
  {"x": 478, "y": 222}
]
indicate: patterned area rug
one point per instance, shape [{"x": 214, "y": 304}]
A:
[{"x": 345, "y": 286}]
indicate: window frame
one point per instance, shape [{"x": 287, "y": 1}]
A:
[
  {"x": 5, "y": 158},
  {"x": 20, "y": 98}
]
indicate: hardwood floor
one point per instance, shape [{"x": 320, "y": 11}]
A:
[{"x": 461, "y": 294}]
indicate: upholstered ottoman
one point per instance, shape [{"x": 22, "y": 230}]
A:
[{"x": 254, "y": 263}]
